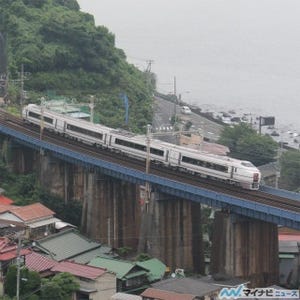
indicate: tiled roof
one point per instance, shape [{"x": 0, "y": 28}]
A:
[
  {"x": 13, "y": 254},
  {"x": 79, "y": 270},
  {"x": 8, "y": 250},
  {"x": 32, "y": 212},
  {"x": 66, "y": 245},
  {"x": 39, "y": 263},
  {"x": 4, "y": 207},
  {"x": 165, "y": 295},
  {"x": 5, "y": 201}
]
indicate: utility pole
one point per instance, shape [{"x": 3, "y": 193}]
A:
[
  {"x": 42, "y": 119},
  {"x": 22, "y": 88},
  {"x": 144, "y": 232},
  {"x": 149, "y": 64},
  {"x": 92, "y": 106},
  {"x": 148, "y": 165},
  {"x": 18, "y": 266},
  {"x": 175, "y": 103}
]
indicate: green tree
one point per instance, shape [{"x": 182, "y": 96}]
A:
[
  {"x": 60, "y": 287},
  {"x": 290, "y": 170},
  {"x": 64, "y": 50},
  {"x": 244, "y": 143},
  {"x": 29, "y": 281}
]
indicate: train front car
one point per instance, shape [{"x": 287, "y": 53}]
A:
[{"x": 247, "y": 175}]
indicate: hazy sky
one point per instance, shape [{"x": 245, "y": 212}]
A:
[{"x": 225, "y": 52}]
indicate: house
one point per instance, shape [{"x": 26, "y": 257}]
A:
[
  {"x": 70, "y": 245},
  {"x": 270, "y": 173},
  {"x": 39, "y": 263},
  {"x": 124, "y": 296},
  {"x": 181, "y": 288},
  {"x": 131, "y": 278},
  {"x": 8, "y": 256},
  {"x": 95, "y": 283},
  {"x": 156, "y": 269},
  {"x": 4, "y": 200},
  {"x": 154, "y": 294},
  {"x": 289, "y": 257},
  {"x": 184, "y": 288},
  {"x": 37, "y": 219}
]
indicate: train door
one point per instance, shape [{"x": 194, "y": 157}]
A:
[
  {"x": 60, "y": 126},
  {"x": 167, "y": 156},
  {"x": 232, "y": 170},
  {"x": 174, "y": 157}
]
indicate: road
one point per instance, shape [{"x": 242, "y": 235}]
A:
[{"x": 164, "y": 110}]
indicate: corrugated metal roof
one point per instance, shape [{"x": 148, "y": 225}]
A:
[
  {"x": 86, "y": 257},
  {"x": 288, "y": 247},
  {"x": 123, "y": 296},
  {"x": 43, "y": 222},
  {"x": 66, "y": 244},
  {"x": 289, "y": 237},
  {"x": 79, "y": 270},
  {"x": 155, "y": 267},
  {"x": 186, "y": 285},
  {"x": 119, "y": 267}
]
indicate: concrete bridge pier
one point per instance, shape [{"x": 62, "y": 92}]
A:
[
  {"x": 173, "y": 232},
  {"x": 245, "y": 248},
  {"x": 111, "y": 212},
  {"x": 19, "y": 159}
]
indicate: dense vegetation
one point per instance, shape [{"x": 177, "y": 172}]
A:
[
  {"x": 245, "y": 143},
  {"x": 25, "y": 189},
  {"x": 59, "y": 287},
  {"x": 63, "y": 50},
  {"x": 290, "y": 170}
]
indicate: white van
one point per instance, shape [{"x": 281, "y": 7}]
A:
[{"x": 186, "y": 110}]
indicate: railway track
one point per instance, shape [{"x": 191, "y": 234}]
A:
[{"x": 129, "y": 162}]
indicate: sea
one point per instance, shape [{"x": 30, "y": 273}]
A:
[{"x": 220, "y": 55}]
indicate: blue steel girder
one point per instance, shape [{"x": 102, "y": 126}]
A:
[
  {"x": 218, "y": 200},
  {"x": 281, "y": 193}
]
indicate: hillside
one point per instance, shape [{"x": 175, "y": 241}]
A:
[{"x": 64, "y": 51}]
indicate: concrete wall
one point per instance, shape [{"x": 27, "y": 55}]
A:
[{"x": 104, "y": 285}]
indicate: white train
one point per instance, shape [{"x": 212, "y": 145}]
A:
[{"x": 224, "y": 168}]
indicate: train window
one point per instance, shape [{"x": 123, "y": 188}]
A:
[
  {"x": 48, "y": 120},
  {"x": 247, "y": 164},
  {"x": 139, "y": 147},
  {"x": 130, "y": 145},
  {"x": 38, "y": 116},
  {"x": 157, "y": 151},
  {"x": 204, "y": 164},
  {"x": 34, "y": 115},
  {"x": 94, "y": 134}
]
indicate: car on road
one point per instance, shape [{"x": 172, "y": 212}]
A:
[{"x": 185, "y": 110}]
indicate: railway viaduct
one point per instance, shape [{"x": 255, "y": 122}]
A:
[{"x": 169, "y": 227}]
